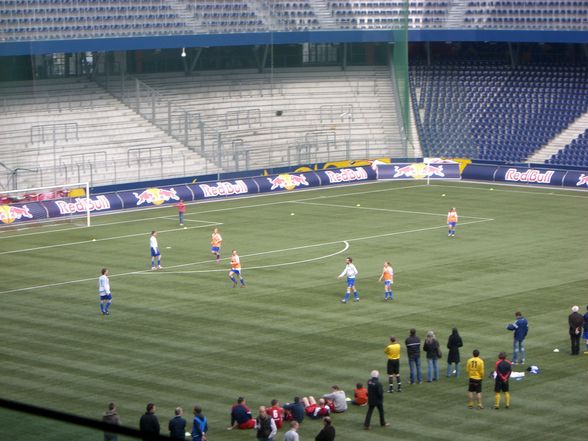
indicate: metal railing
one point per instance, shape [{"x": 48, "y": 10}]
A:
[{"x": 43, "y": 133}]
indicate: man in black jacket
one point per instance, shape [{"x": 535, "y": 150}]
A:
[
  {"x": 375, "y": 399},
  {"x": 177, "y": 426},
  {"x": 149, "y": 424},
  {"x": 413, "y": 350},
  {"x": 328, "y": 431},
  {"x": 575, "y": 320}
]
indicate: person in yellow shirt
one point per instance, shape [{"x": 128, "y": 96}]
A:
[
  {"x": 451, "y": 222},
  {"x": 475, "y": 370},
  {"x": 393, "y": 353}
]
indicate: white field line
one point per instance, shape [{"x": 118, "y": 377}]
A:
[
  {"x": 391, "y": 210},
  {"x": 25, "y": 250},
  {"x": 547, "y": 191},
  {"x": 296, "y": 262},
  {"x": 377, "y": 236}
]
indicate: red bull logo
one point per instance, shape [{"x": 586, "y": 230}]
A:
[
  {"x": 419, "y": 170},
  {"x": 10, "y": 213},
  {"x": 224, "y": 189},
  {"x": 156, "y": 196},
  {"x": 531, "y": 175},
  {"x": 346, "y": 175},
  {"x": 81, "y": 204},
  {"x": 582, "y": 180},
  {"x": 288, "y": 181}
]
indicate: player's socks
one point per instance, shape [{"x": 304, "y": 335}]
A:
[
  {"x": 356, "y": 295},
  {"x": 390, "y": 384},
  {"x": 233, "y": 280},
  {"x": 497, "y": 400},
  {"x": 391, "y": 295},
  {"x": 107, "y": 306},
  {"x": 398, "y": 384},
  {"x": 346, "y": 298},
  {"x": 102, "y": 307},
  {"x": 471, "y": 404},
  {"x": 242, "y": 281},
  {"x": 507, "y": 399}
]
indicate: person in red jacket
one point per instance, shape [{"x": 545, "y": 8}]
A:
[{"x": 503, "y": 369}]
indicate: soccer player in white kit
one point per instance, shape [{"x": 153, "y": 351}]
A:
[
  {"x": 104, "y": 292},
  {"x": 154, "y": 251},
  {"x": 351, "y": 272}
]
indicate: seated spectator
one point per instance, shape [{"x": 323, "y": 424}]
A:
[
  {"x": 277, "y": 413},
  {"x": 294, "y": 411},
  {"x": 360, "y": 395},
  {"x": 241, "y": 416},
  {"x": 316, "y": 410},
  {"x": 336, "y": 400}
]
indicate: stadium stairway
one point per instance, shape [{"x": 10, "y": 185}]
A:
[{"x": 561, "y": 140}]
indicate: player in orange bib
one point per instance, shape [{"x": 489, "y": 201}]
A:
[
  {"x": 216, "y": 241},
  {"x": 451, "y": 222},
  {"x": 236, "y": 270},
  {"x": 388, "y": 278}
]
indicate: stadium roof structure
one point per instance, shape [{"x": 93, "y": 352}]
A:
[{"x": 50, "y": 26}]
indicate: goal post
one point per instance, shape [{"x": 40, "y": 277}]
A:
[{"x": 56, "y": 203}]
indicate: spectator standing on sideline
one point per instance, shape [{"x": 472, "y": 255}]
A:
[
  {"x": 413, "y": 349},
  {"x": 375, "y": 399},
  {"x": 181, "y": 211},
  {"x": 327, "y": 433},
  {"x": 149, "y": 424},
  {"x": 241, "y": 416},
  {"x": 576, "y": 321},
  {"x": 337, "y": 400},
  {"x": 111, "y": 417},
  {"x": 586, "y": 330},
  {"x": 520, "y": 328},
  {"x": 475, "y": 369},
  {"x": 294, "y": 411},
  {"x": 454, "y": 342},
  {"x": 432, "y": 348},
  {"x": 199, "y": 425},
  {"x": 265, "y": 425},
  {"x": 393, "y": 365},
  {"x": 360, "y": 395},
  {"x": 292, "y": 434},
  {"x": 503, "y": 370},
  {"x": 177, "y": 426}
]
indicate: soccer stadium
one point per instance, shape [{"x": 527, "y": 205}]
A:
[{"x": 198, "y": 199}]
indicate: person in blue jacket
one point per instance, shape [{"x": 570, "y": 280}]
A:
[{"x": 520, "y": 327}]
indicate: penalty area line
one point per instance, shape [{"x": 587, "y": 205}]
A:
[{"x": 81, "y": 242}]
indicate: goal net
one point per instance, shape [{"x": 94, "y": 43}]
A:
[{"x": 68, "y": 203}]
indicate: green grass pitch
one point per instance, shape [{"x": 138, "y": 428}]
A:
[{"x": 182, "y": 335}]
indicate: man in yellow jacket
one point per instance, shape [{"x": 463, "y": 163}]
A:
[{"x": 475, "y": 370}]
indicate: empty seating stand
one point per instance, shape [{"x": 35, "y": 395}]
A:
[{"x": 490, "y": 111}]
